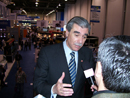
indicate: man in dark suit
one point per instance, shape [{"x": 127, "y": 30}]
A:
[{"x": 52, "y": 76}]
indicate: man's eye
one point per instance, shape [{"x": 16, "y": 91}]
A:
[
  {"x": 76, "y": 35},
  {"x": 85, "y": 37}
]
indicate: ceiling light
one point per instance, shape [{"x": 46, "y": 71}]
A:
[
  {"x": 59, "y": 4},
  {"x": 50, "y": 12},
  {"x": 14, "y": 4},
  {"x": 57, "y": 7},
  {"x": 24, "y": 11},
  {"x": 36, "y": 3},
  {"x": 65, "y": 0}
]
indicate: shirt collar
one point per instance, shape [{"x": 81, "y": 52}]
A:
[{"x": 104, "y": 91}]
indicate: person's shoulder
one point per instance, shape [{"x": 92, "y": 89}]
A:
[
  {"x": 52, "y": 47},
  {"x": 112, "y": 95},
  {"x": 102, "y": 95}
]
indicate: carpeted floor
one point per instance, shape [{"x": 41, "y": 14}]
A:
[{"x": 27, "y": 64}]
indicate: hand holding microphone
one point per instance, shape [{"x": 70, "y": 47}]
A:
[{"x": 88, "y": 71}]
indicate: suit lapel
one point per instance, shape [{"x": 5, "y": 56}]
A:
[
  {"x": 79, "y": 70},
  {"x": 62, "y": 64}
]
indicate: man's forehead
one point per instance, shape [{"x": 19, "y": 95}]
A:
[{"x": 86, "y": 34}]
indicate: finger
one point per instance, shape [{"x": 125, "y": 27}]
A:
[
  {"x": 66, "y": 85},
  {"x": 66, "y": 92},
  {"x": 62, "y": 77},
  {"x": 93, "y": 87},
  {"x": 58, "y": 85}
]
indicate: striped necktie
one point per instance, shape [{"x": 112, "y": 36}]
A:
[{"x": 72, "y": 68}]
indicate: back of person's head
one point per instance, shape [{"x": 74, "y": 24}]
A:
[
  {"x": 114, "y": 55},
  {"x": 79, "y": 21}
]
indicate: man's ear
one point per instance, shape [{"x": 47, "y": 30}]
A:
[
  {"x": 98, "y": 71},
  {"x": 67, "y": 33},
  {"x": 99, "y": 77}
]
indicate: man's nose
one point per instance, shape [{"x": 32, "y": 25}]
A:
[{"x": 80, "y": 40}]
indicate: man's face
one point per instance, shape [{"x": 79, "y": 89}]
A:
[{"x": 76, "y": 37}]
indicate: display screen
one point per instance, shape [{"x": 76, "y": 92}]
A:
[
  {"x": 45, "y": 29},
  {"x": 57, "y": 28}
]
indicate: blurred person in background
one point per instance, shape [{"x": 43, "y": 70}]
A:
[{"x": 20, "y": 79}]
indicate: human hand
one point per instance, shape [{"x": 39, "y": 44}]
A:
[
  {"x": 94, "y": 87},
  {"x": 61, "y": 88}
]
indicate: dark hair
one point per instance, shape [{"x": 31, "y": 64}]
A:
[
  {"x": 79, "y": 21},
  {"x": 114, "y": 55}
]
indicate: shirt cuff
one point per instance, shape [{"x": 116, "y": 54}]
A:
[{"x": 52, "y": 94}]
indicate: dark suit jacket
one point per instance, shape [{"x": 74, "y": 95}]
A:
[{"x": 52, "y": 62}]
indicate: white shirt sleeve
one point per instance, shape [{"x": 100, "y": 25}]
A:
[
  {"x": 39, "y": 96},
  {"x": 52, "y": 94}
]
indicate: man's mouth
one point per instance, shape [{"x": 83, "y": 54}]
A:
[{"x": 78, "y": 44}]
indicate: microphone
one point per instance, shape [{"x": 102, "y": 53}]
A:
[{"x": 88, "y": 71}]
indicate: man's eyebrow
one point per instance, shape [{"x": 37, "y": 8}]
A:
[
  {"x": 76, "y": 32},
  {"x": 79, "y": 32}
]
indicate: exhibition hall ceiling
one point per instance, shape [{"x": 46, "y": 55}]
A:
[{"x": 39, "y": 6}]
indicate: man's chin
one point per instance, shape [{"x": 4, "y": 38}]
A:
[{"x": 77, "y": 48}]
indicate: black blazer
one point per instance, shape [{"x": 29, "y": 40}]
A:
[{"x": 52, "y": 62}]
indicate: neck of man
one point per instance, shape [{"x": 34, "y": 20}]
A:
[{"x": 101, "y": 86}]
